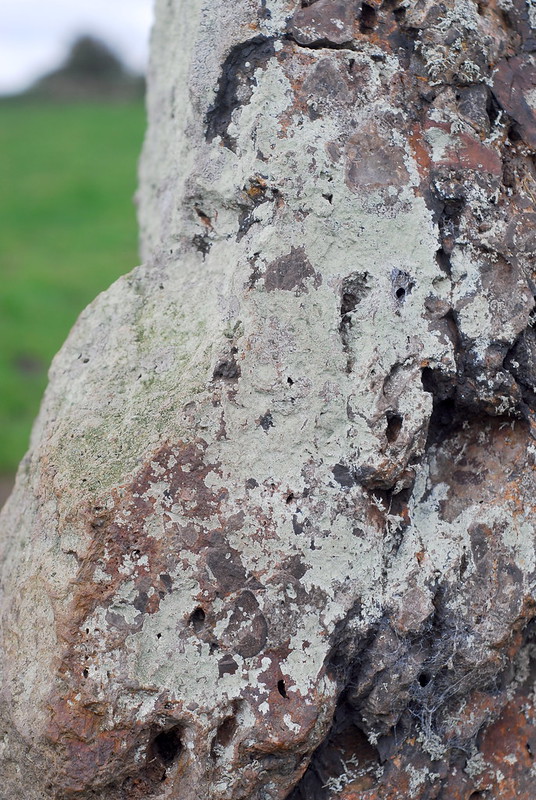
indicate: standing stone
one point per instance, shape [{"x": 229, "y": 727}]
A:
[{"x": 274, "y": 535}]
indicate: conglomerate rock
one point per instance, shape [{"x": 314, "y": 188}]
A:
[{"x": 274, "y": 534}]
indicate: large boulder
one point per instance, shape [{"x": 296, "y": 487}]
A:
[{"x": 274, "y": 533}]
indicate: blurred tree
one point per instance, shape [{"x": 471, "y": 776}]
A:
[
  {"x": 90, "y": 57},
  {"x": 91, "y": 70}
]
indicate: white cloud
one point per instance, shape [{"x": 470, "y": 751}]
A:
[{"x": 35, "y": 34}]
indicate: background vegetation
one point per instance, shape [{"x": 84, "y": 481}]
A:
[{"x": 68, "y": 230}]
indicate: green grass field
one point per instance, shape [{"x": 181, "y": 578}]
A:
[{"x": 67, "y": 230}]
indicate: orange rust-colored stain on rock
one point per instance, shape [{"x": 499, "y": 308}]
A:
[
  {"x": 85, "y": 747},
  {"x": 420, "y": 151},
  {"x": 137, "y": 549},
  {"x": 510, "y": 743},
  {"x": 399, "y": 792},
  {"x": 461, "y": 150},
  {"x": 69, "y": 719},
  {"x": 467, "y": 719},
  {"x": 123, "y": 552},
  {"x": 493, "y": 457},
  {"x": 508, "y": 748}
]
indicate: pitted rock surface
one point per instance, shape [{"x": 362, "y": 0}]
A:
[{"x": 274, "y": 536}]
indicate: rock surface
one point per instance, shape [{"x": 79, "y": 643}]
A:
[{"x": 274, "y": 536}]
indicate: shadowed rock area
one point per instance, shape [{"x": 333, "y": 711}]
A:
[{"x": 274, "y": 537}]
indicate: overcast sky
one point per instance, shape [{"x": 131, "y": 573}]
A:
[{"x": 35, "y": 34}]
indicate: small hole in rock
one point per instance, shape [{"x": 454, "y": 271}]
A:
[
  {"x": 513, "y": 134},
  {"x": 281, "y": 688},
  {"x": 402, "y": 284},
  {"x": 290, "y": 498},
  {"x": 290, "y": 381},
  {"x": 224, "y": 734},
  {"x": 167, "y": 745},
  {"x": 368, "y": 18},
  {"x": 529, "y": 749},
  {"x": 394, "y": 426},
  {"x": 85, "y": 673},
  {"x": 158, "y": 635},
  {"x": 328, "y": 197},
  {"x": 203, "y": 217},
  {"x": 424, "y": 679},
  {"x": 443, "y": 261},
  {"x": 197, "y": 619},
  {"x": 349, "y": 303}
]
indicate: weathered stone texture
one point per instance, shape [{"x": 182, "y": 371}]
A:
[{"x": 274, "y": 536}]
